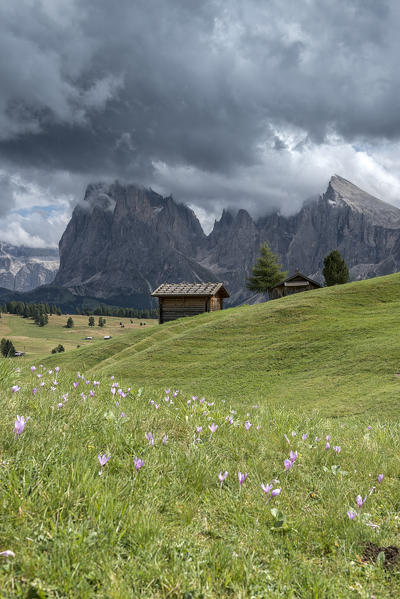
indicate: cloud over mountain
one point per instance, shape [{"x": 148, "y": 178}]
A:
[{"x": 219, "y": 103}]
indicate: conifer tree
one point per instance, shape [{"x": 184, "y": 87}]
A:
[
  {"x": 267, "y": 271},
  {"x": 335, "y": 269}
]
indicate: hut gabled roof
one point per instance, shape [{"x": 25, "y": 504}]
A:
[
  {"x": 180, "y": 289},
  {"x": 296, "y": 275}
]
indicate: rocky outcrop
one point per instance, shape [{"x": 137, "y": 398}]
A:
[
  {"x": 123, "y": 241},
  {"x": 23, "y": 269}
]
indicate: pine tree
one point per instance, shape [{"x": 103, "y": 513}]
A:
[
  {"x": 91, "y": 321},
  {"x": 267, "y": 271},
  {"x": 335, "y": 269},
  {"x": 70, "y": 323}
]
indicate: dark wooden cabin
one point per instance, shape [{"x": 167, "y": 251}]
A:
[
  {"x": 176, "y": 300},
  {"x": 294, "y": 284}
]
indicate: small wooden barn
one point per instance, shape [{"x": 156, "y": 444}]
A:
[
  {"x": 294, "y": 284},
  {"x": 176, "y": 300}
]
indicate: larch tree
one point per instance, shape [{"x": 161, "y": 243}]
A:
[
  {"x": 335, "y": 269},
  {"x": 267, "y": 271}
]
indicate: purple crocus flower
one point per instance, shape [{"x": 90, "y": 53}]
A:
[
  {"x": 113, "y": 390},
  {"x": 164, "y": 440},
  {"x": 360, "y": 501},
  {"x": 380, "y": 478},
  {"x": 213, "y": 427},
  {"x": 352, "y": 514},
  {"x": 247, "y": 425},
  {"x": 150, "y": 438},
  {"x": 33, "y": 368},
  {"x": 222, "y": 477},
  {"x": 57, "y": 369},
  {"x": 293, "y": 456},
  {"x": 167, "y": 391},
  {"x": 91, "y": 393},
  {"x": 288, "y": 464},
  {"x": 199, "y": 429},
  {"x": 138, "y": 463},
  {"x": 337, "y": 448},
  {"x": 60, "y": 405},
  {"x": 75, "y": 385},
  {"x": 34, "y": 391},
  {"x": 304, "y": 436},
  {"x": 15, "y": 388},
  {"x": 7, "y": 553},
  {"x": 276, "y": 492},
  {"x": 19, "y": 424},
  {"x": 103, "y": 459},
  {"x": 328, "y": 445},
  {"x": 42, "y": 384},
  {"x": 266, "y": 488},
  {"x": 369, "y": 427},
  {"x": 328, "y": 437},
  {"x": 242, "y": 477}
]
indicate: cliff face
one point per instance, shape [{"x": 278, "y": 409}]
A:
[
  {"x": 23, "y": 269},
  {"x": 123, "y": 241}
]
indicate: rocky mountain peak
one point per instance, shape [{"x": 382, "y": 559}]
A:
[{"x": 342, "y": 192}]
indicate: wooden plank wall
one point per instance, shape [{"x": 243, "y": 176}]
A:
[{"x": 172, "y": 308}]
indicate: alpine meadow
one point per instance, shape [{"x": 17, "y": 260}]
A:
[
  {"x": 243, "y": 453},
  {"x": 199, "y": 299}
]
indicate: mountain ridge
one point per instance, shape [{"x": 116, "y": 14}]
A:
[{"x": 126, "y": 240}]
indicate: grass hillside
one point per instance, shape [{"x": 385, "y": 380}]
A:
[
  {"x": 336, "y": 349},
  {"x": 308, "y": 505}
]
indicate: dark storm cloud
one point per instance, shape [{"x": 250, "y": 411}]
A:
[{"x": 100, "y": 89}]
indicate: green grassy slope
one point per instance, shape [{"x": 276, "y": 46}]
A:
[{"x": 337, "y": 349}]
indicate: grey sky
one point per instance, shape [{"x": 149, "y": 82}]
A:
[{"x": 251, "y": 103}]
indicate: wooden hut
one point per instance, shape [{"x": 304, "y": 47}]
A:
[
  {"x": 294, "y": 284},
  {"x": 176, "y": 300}
]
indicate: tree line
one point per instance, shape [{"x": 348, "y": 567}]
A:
[{"x": 103, "y": 310}]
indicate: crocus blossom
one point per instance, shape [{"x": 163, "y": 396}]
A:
[
  {"x": 103, "y": 459},
  {"x": 15, "y": 388},
  {"x": 164, "y": 440},
  {"x": 293, "y": 456},
  {"x": 266, "y": 488},
  {"x": 7, "y": 553},
  {"x": 247, "y": 425},
  {"x": 304, "y": 436},
  {"x": 328, "y": 445},
  {"x": 19, "y": 424},
  {"x": 360, "y": 501},
  {"x": 213, "y": 427},
  {"x": 242, "y": 477},
  {"x": 199, "y": 429},
  {"x": 351, "y": 514},
  {"x": 380, "y": 478},
  {"x": 150, "y": 438},
  {"x": 288, "y": 464},
  {"x": 138, "y": 463},
  {"x": 337, "y": 448},
  {"x": 222, "y": 477}
]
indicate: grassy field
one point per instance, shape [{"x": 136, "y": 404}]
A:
[
  {"x": 38, "y": 342},
  {"x": 335, "y": 349},
  {"x": 231, "y": 392}
]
